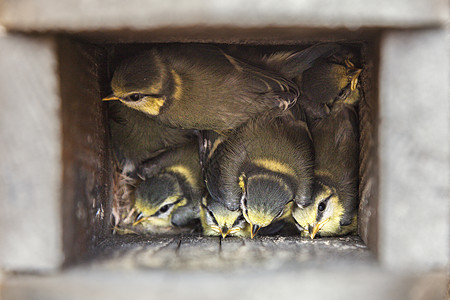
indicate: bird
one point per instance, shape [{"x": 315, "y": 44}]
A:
[
  {"x": 325, "y": 73},
  {"x": 218, "y": 220},
  {"x": 171, "y": 189},
  {"x": 330, "y": 80},
  {"x": 135, "y": 137},
  {"x": 334, "y": 207},
  {"x": 261, "y": 168},
  {"x": 199, "y": 87}
]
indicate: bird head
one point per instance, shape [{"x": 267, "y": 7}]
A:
[
  {"x": 329, "y": 80},
  {"x": 218, "y": 220},
  {"x": 265, "y": 198},
  {"x": 156, "y": 200},
  {"x": 144, "y": 83},
  {"x": 323, "y": 216}
]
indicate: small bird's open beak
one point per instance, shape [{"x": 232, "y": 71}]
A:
[
  {"x": 317, "y": 226},
  {"x": 354, "y": 81},
  {"x": 110, "y": 98},
  {"x": 139, "y": 219},
  {"x": 255, "y": 229},
  {"x": 224, "y": 231}
]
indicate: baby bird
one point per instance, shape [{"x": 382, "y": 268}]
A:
[
  {"x": 199, "y": 87},
  {"x": 171, "y": 190},
  {"x": 335, "y": 192},
  {"x": 216, "y": 219},
  {"x": 135, "y": 137},
  {"x": 261, "y": 168},
  {"x": 330, "y": 80},
  {"x": 324, "y": 73}
]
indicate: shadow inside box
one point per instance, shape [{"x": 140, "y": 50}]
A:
[{"x": 194, "y": 251}]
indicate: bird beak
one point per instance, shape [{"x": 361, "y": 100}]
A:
[
  {"x": 224, "y": 231},
  {"x": 354, "y": 81},
  {"x": 316, "y": 227},
  {"x": 255, "y": 229},
  {"x": 139, "y": 219},
  {"x": 110, "y": 98}
]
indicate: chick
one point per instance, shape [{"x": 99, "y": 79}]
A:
[
  {"x": 325, "y": 73},
  {"x": 261, "y": 168},
  {"x": 199, "y": 87},
  {"x": 135, "y": 137},
  {"x": 330, "y": 80},
  {"x": 218, "y": 220},
  {"x": 335, "y": 192},
  {"x": 171, "y": 190}
]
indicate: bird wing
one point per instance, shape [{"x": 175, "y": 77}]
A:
[
  {"x": 293, "y": 64},
  {"x": 283, "y": 92},
  {"x": 280, "y": 90}
]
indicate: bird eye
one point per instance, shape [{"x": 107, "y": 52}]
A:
[
  {"x": 322, "y": 206},
  {"x": 164, "y": 208},
  {"x": 134, "y": 97}
]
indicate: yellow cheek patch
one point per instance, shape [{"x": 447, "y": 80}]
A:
[
  {"x": 181, "y": 203},
  {"x": 148, "y": 219},
  {"x": 308, "y": 216},
  {"x": 333, "y": 226},
  {"x": 150, "y": 105},
  {"x": 305, "y": 216},
  {"x": 147, "y": 211},
  {"x": 274, "y": 166}
]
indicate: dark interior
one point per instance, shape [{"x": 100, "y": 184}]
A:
[{"x": 86, "y": 63}]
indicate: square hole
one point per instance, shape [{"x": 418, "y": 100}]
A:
[{"x": 86, "y": 63}]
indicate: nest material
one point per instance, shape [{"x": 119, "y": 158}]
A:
[{"x": 123, "y": 212}]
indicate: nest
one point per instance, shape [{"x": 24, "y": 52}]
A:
[{"x": 123, "y": 212}]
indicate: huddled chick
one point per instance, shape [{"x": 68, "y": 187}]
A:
[{"x": 240, "y": 144}]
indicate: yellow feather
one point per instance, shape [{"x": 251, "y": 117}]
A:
[
  {"x": 185, "y": 172},
  {"x": 242, "y": 182},
  {"x": 274, "y": 166},
  {"x": 217, "y": 142},
  {"x": 178, "y": 82}
]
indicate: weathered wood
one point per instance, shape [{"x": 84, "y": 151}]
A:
[
  {"x": 73, "y": 15},
  {"x": 368, "y": 158},
  {"x": 414, "y": 150},
  {"x": 31, "y": 168},
  {"x": 285, "y": 267},
  {"x": 87, "y": 172},
  {"x": 198, "y": 252}
]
